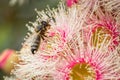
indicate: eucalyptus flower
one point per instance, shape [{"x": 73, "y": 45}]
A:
[{"x": 82, "y": 44}]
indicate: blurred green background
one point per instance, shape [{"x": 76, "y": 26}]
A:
[{"x": 14, "y": 17}]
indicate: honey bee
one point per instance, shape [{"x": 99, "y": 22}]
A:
[{"x": 40, "y": 35}]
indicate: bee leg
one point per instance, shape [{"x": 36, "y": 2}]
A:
[{"x": 42, "y": 37}]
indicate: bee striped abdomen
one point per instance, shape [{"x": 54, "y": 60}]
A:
[{"x": 35, "y": 45}]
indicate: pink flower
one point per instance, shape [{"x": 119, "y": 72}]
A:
[
  {"x": 79, "y": 61},
  {"x": 3, "y": 58},
  {"x": 103, "y": 29},
  {"x": 7, "y": 60},
  {"x": 71, "y": 2}
]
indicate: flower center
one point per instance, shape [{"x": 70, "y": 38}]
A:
[
  {"x": 82, "y": 71},
  {"x": 100, "y": 36}
]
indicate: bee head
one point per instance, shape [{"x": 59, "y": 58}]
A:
[{"x": 45, "y": 23}]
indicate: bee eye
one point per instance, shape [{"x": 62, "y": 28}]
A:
[{"x": 44, "y": 23}]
